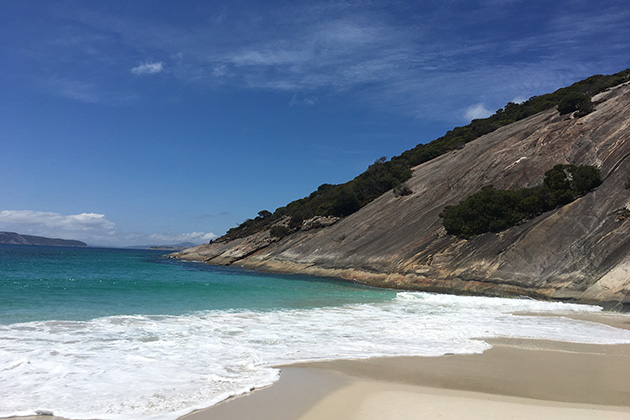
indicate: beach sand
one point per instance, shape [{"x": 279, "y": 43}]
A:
[{"x": 515, "y": 379}]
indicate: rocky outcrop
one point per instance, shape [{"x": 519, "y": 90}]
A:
[
  {"x": 226, "y": 252},
  {"x": 319, "y": 222},
  {"x": 578, "y": 252},
  {"x": 12, "y": 238}
]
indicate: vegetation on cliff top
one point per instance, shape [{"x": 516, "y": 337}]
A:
[
  {"x": 344, "y": 199},
  {"x": 493, "y": 210}
]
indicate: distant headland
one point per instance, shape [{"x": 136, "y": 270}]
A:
[{"x": 12, "y": 238}]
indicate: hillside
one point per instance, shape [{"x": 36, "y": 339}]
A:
[
  {"x": 12, "y": 238},
  {"x": 344, "y": 199},
  {"x": 576, "y": 252}
]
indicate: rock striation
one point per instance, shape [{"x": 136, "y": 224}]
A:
[{"x": 579, "y": 252}]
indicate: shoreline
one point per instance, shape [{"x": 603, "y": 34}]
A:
[{"x": 516, "y": 378}]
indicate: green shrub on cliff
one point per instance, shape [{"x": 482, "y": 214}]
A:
[
  {"x": 493, "y": 210},
  {"x": 489, "y": 210},
  {"x": 575, "y": 101}
]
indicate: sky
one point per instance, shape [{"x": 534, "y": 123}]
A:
[{"x": 156, "y": 122}]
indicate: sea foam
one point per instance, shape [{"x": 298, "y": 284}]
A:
[{"x": 161, "y": 367}]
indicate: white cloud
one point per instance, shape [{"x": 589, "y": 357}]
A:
[
  {"x": 74, "y": 222},
  {"x": 148, "y": 68},
  {"x": 87, "y": 227},
  {"x": 477, "y": 111}
]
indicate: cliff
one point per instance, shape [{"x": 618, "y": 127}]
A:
[
  {"x": 578, "y": 252},
  {"x": 12, "y": 238}
]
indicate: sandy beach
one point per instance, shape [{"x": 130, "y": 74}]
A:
[{"x": 515, "y": 379}]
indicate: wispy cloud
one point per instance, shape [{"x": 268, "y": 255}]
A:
[
  {"x": 296, "y": 100},
  {"x": 84, "y": 91},
  {"x": 80, "y": 91},
  {"x": 148, "y": 68},
  {"x": 406, "y": 59}
]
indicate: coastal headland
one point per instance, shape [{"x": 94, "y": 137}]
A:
[{"x": 577, "y": 252}]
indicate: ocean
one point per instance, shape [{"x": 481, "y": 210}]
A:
[{"x": 127, "y": 334}]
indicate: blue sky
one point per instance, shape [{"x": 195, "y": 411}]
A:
[{"x": 155, "y": 122}]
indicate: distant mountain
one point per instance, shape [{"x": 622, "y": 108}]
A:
[{"x": 12, "y": 238}]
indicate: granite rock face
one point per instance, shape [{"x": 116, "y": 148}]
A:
[{"x": 578, "y": 252}]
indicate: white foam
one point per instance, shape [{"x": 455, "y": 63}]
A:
[{"x": 160, "y": 367}]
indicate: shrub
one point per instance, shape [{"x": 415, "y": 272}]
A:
[
  {"x": 575, "y": 101},
  {"x": 493, "y": 210},
  {"x": 585, "y": 178},
  {"x": 264, "y": 213},
  {"x": 489, "y": 210},
  {"x": 402, "y": 189},
  {"x": 345, "y": 203}
]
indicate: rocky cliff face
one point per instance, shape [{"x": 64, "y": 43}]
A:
[{"x": 579, "y": 252}]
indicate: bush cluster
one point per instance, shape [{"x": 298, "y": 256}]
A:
[
  {"x": 382, "y": 176},
  {"x": 575, "y": 101},
  {"x": 493, "y": 210}
]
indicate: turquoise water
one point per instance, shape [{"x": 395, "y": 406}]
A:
[
  {"x": 128, "y": 335},
  {"x": 46, "y": 283}
]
